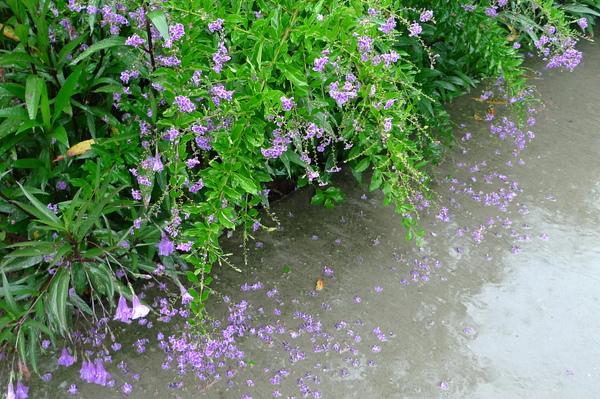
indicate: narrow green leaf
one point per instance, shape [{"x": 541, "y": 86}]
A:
[
  {"x": 45, "y": 108},
  {"x": 160, "y": 22},
  {"x": 14, "y": 264},
  {"x": 30, "y": 124},
  {"x": 81, "y": 304},
  {"x": 6, "y": 335},
  {"x": 28, "y": 163},
  {"x": 33, "y": 91},
  {"x": 44, "y": 212},
  {"x": 84, "y": 225},
  {"x": 57, "y": 299},
  {"x": 18, "y": 58},
  {"x": 101, "y": 278},
  {"x": 40, "y": 326},
  {"x": 68, "y": 48},
  {"x": 101, "y": 45},
  {"x": 21, "y": 345},
  {"x": 65, "y": 92},
  {"x": 32, "y": 343},
  {"x": 14, "y": 112},
  {"x": 12, "y": 305}
]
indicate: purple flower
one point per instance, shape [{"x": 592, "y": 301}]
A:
[
  {"x": 177, "y": 31},
  {"x": 139, "y": 310},
  {"x": 126, "y": 388},
  {"x": 165, "y": 246},
  {"x": 375, "y": 348},
  {"x": 88, "y": 371},
  {"x": 53, "y": 208},
  {"x": 47, "y": 377},
  {"x": 388, "y": 26},
  {"x": 102, "y": 375},
  {"x": 491, "y": 12},
  {"x": 185, "y": 295},
  {"x": 184, "y": 103},
  {"x": 73, "y": 389},
  {"x": 10, "y": 390},
  {"x": 134, "y": 41},
  {"x": 426, "y": 16},
  {"x": 319, "y": 64},
  {"x": 415, "y": 29},
  {"x": 387, "y": 126},
  {"x": 444, "y": 385},
  {"x": 287, "y": 103},
  {"x": 66, "y": 359},
  {"x": 123, "y": 312},
  {"x": 378, "y": 289},
  {"x": 61, "y": 185},
  {"x": 582, "y": 22},
  {"x": 22, "y": 391},
  {"x": 215, "y": 26}
]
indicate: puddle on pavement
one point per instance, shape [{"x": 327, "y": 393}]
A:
[{"x": 455, "y": 319}]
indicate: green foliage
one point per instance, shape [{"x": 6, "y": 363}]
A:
[{"x": 128, "y": 149}]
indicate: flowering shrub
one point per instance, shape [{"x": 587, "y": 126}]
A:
[{"x": 134, "y": 137}]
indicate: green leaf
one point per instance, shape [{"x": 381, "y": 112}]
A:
[
  {"x": 160, "y": 22},
  {"x": 32, "y": 342},
  {"x": 45, "y": 108},
  {"x": 66, "y": 91},
  {"x": 362, "y": 165},
  {"x": 376, "y": 180},
  {"x": 44, "y": 214},
  {"x": 83, "y": 225},
  {"x": 57, "y": 299},
  {"x": 21, "y": 345},
  {"x": 69, "y": 47},
  {"x": 14, "y": 112},
  {"x": 60, "y": 134},
  {"x": 246, "y": 183},
  {"x": 33, "y": 90},
  {"x": 10, "y": 301},
  {"x": 294, "y": 75},
  {"x": 101, "y": 45},
  {"x": 102, "y": 279},
  {"x": 14, "y": 264},
  {"x": 81, "y": 304},
  {"x": 18, "y": 58},
  {"x": 28, "y": 163},
  {"x": 30, "y": 124}
]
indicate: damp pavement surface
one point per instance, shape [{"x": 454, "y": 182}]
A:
[{"x": 502, "y": 301}]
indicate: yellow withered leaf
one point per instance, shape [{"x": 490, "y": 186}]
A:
[
  {"x": 9, "y": 32},
  {"x": 78, "y": 149},
  {"x": 320, "y": 284}
]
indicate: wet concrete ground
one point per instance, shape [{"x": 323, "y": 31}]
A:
[{"x": 454, "y": 319}]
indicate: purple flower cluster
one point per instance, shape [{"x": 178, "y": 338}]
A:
[
  {"x": 415, "y": 29},
  {"x": 287, "y": 103},
  {"x": 343, "y": 94},
  {"x": 220, "y": 57},
  {"x": 135, "y": 41},
  {"x": 184, "y": 103},
  {"x": 125, "y": 314},
  {"x": 94, "y": 372},
  {"x": 388, "y": 26}
]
